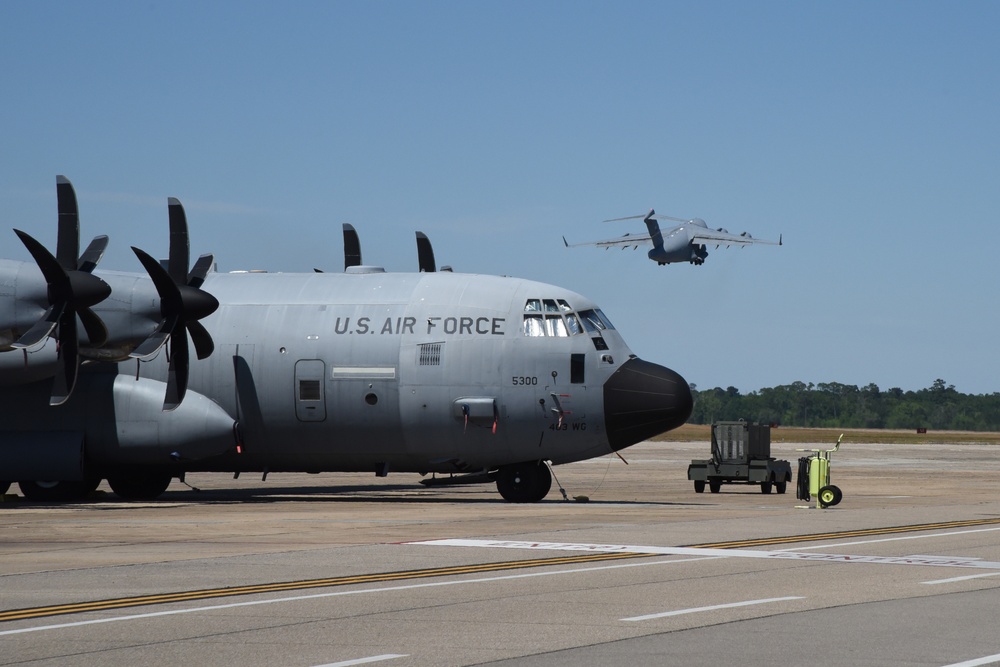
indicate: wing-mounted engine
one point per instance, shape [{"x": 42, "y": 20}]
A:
[
  {"x": 72, "y": 290},
  {"x": 182, "y": 304}
]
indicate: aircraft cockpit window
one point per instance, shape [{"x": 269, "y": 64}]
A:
[
  {"x": 533, "y": 306},
  {"x": 573, "y": 324},
  {"x": 534, "y": 325},
  {"x": 592, "y": 322},
  {"x": 554, "y": 326},
  {"x": 550, "y": 306},
  {"x": 563, "y": 306},
  {"x": 604, "y": 318}
]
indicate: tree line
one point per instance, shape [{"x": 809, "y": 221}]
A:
[{"x": 835, "y": 405}]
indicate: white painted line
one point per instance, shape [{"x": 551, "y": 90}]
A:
[
  {"x": 988, "y": 660},
  {"x": 365, "y": 661},
  {"x": 954, "y": 579},
  {"x": 333, "y": 594},
  {"x": 695, "y": 610},
  {"x": 939, "y": 561}
]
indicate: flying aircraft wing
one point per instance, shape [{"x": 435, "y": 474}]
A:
[
  {"x": 626, "y": 241},
  {"x": 711, "y": 236}
]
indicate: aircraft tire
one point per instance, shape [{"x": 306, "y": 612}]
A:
[
  {"x": 140, "y": 486},
  {"x": 60, "y": 491},
  {"x": 527, "y": 482}
]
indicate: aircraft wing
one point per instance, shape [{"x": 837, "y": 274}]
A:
[
  {"x": 626, "y": 241},
  {"x": 711, "y": 236}
]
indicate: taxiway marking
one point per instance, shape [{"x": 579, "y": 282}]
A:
[
  {"x": 938, "y": 561},
  {"x": 365, "y": 661},
  {"x": 695, "y": 610}
]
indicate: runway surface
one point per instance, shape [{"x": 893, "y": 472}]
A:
[{"x": 309, "y": 570}]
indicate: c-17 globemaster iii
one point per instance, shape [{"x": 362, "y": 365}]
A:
[{"x": 365, "y": 370}]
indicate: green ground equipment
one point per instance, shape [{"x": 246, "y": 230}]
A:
[
  {"x": 741, "y": 454},
  {"x": 814, "y": 477}
]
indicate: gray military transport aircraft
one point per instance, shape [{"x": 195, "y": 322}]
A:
[
  {"x": 682, "y": 243},
  {"x": 361, "y": 371}
]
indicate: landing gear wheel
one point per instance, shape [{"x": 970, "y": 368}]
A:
[
  {"x": 699, "y": 486},
  {"x": 765, "y": 487},
  {"x": 524, "y": 482},
  {"x": 714, "y": 486},
  {"x": 57, "y": 491},
  {"x": 830, "y": 496},
  {"x": 140, "y": 486},
  {"x": 780, "y": 487}
]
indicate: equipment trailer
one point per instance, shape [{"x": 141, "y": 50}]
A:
[{"x": 741, "y": 454}]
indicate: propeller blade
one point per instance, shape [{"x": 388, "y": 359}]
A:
[
  {"x": 180, "y": 247},
  {"x": 97, "y": 332},
  {"x": 170, "y": 296},
  {"x": 177, "y": 372},
  {"x": 68, "y": 239},
  {"x": 41, "y": 329},
  {"x": 352, "y": 247},
  {"x": 203, "y": 344},
  {"x": 425, "y": 253},
  {"x": 93, "y": 254},
  {"x": 52, "y": 271},
  {"x": 69, "y": 362},
  {"x": 152, "y": 345},
  {"x": 201, "y": 268}
]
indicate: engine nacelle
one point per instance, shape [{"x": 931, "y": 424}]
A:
[{"x": 113, "y": 421}]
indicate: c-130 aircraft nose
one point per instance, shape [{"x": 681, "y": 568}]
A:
[{"x": 643, "y": 399}]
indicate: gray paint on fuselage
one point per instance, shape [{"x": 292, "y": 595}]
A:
[{"x": 368, "y": 331}]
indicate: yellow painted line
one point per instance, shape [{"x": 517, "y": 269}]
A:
[{"x": 187, "y": 596}]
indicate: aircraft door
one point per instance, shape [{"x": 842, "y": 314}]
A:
[{"x": 310, "y": 390}]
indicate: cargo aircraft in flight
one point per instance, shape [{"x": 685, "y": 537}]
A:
[
  {"x": 138, "y": 378},
  {"x": 685, "y": 242}
]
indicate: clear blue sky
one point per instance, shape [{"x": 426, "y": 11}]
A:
[{"x": 867, "y": 133}]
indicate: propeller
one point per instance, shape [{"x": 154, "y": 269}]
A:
[
  {"x": 72, "y": 290},
  {"x": 182, "y": 304},
  {"x": 425, "y": 254},
  {"x": 352, "y": 247}
]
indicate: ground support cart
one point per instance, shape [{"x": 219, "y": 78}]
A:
[
  {"x": 741, "y": 454},
  {"x": 814, "y": 477}
]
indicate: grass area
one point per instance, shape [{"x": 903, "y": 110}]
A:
[{"x": 696, "y": 432}]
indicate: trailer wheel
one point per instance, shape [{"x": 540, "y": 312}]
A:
[
  {"x": 780, "y": 486},
  {"x": 714, "y": 486},
  {"x": 765, "y": 487},
  {"x": 830, "y": 496},
  {"x": 699, "y": 486}
]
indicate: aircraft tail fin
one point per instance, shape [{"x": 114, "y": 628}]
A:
[{"x": 654, "y": 229}]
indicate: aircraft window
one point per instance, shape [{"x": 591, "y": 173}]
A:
[
  {"x": 592, "y": 322},
  {"x": 604, "y": 318},
  {"x": 534, "y": 325},
  {"x": 550, "y": 306},
  {"x": 533, "y": 306},
  {"x": 555, "y": 326},
  {"x": 563, "y": 306},
  {"x": 573, "y": 324}
]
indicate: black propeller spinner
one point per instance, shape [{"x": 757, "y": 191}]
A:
[
  {"x": 182, "y": 304},
  {"x": 72, "y": 290}
]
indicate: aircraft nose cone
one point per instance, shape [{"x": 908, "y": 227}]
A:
[{"x": 643, "y": 399}]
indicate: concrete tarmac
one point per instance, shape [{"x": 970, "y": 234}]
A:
[{"x": 336, "y": 569}]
